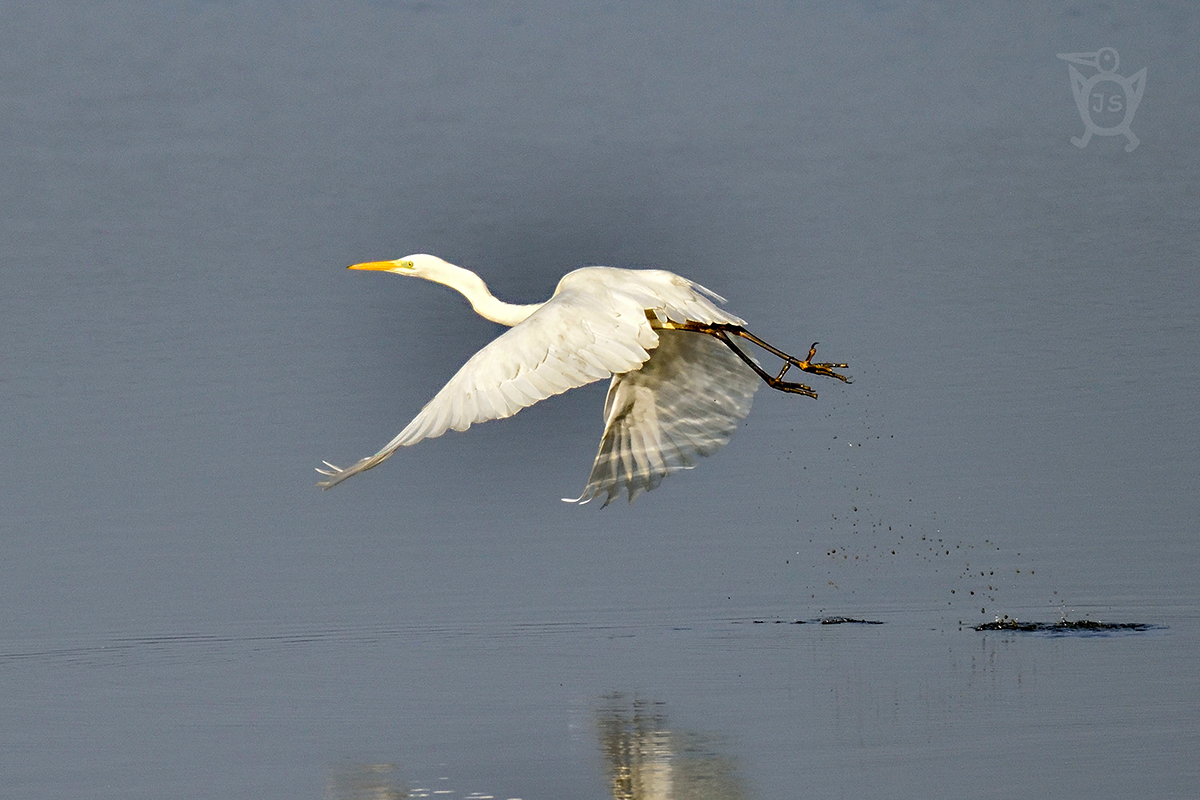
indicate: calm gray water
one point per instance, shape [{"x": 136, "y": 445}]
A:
[{"x": 186, "y": 615}]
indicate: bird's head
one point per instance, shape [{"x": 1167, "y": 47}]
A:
[{"x": 418, "y": 265}]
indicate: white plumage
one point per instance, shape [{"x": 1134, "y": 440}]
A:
[
  {"x": 685, "y": 402},
  {"x": 675, "y": 395}
]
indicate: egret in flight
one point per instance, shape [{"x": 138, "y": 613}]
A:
[{"x": 680, "y": 383}]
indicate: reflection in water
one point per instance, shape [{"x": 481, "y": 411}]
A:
[
  {"x": 646, "y": 761},
  {"x": 649, "y": 761},
  {"x": 353, "y": 781}
]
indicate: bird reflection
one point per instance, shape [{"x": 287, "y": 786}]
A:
[
  {"x": 645, "y": 758},
  {"x": 649, "y": 761},
  {"x": 354, "y": 781}
]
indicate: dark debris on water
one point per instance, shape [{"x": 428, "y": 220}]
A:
[{"x": 1063, "y": 626}]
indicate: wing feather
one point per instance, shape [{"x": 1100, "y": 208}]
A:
[
  {"x": 684, "y": 403},
  {"x": 550, "y": 352}
]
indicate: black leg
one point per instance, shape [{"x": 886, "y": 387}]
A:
[{"x": 723, "y": 333}]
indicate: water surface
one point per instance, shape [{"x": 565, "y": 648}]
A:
[{"x": 185, "y": 614}]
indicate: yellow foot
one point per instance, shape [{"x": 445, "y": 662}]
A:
[
  {"x": 822, "y": 368},
  {"x": 807, "y": 365}
]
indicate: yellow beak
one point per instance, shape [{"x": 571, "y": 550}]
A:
[{"x": 380, "y": 265}]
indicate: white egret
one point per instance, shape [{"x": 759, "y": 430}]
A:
[{"x": 679, "y": 383}]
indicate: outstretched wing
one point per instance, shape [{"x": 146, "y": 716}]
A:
[
  {"x": 684, "y": 402},
  {"x": 576, "y": 338}
]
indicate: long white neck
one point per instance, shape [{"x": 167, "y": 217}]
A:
[{"x": 486, "y": 305}]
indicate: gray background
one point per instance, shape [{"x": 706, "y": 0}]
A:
[{"x": 184, "y": 614}]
